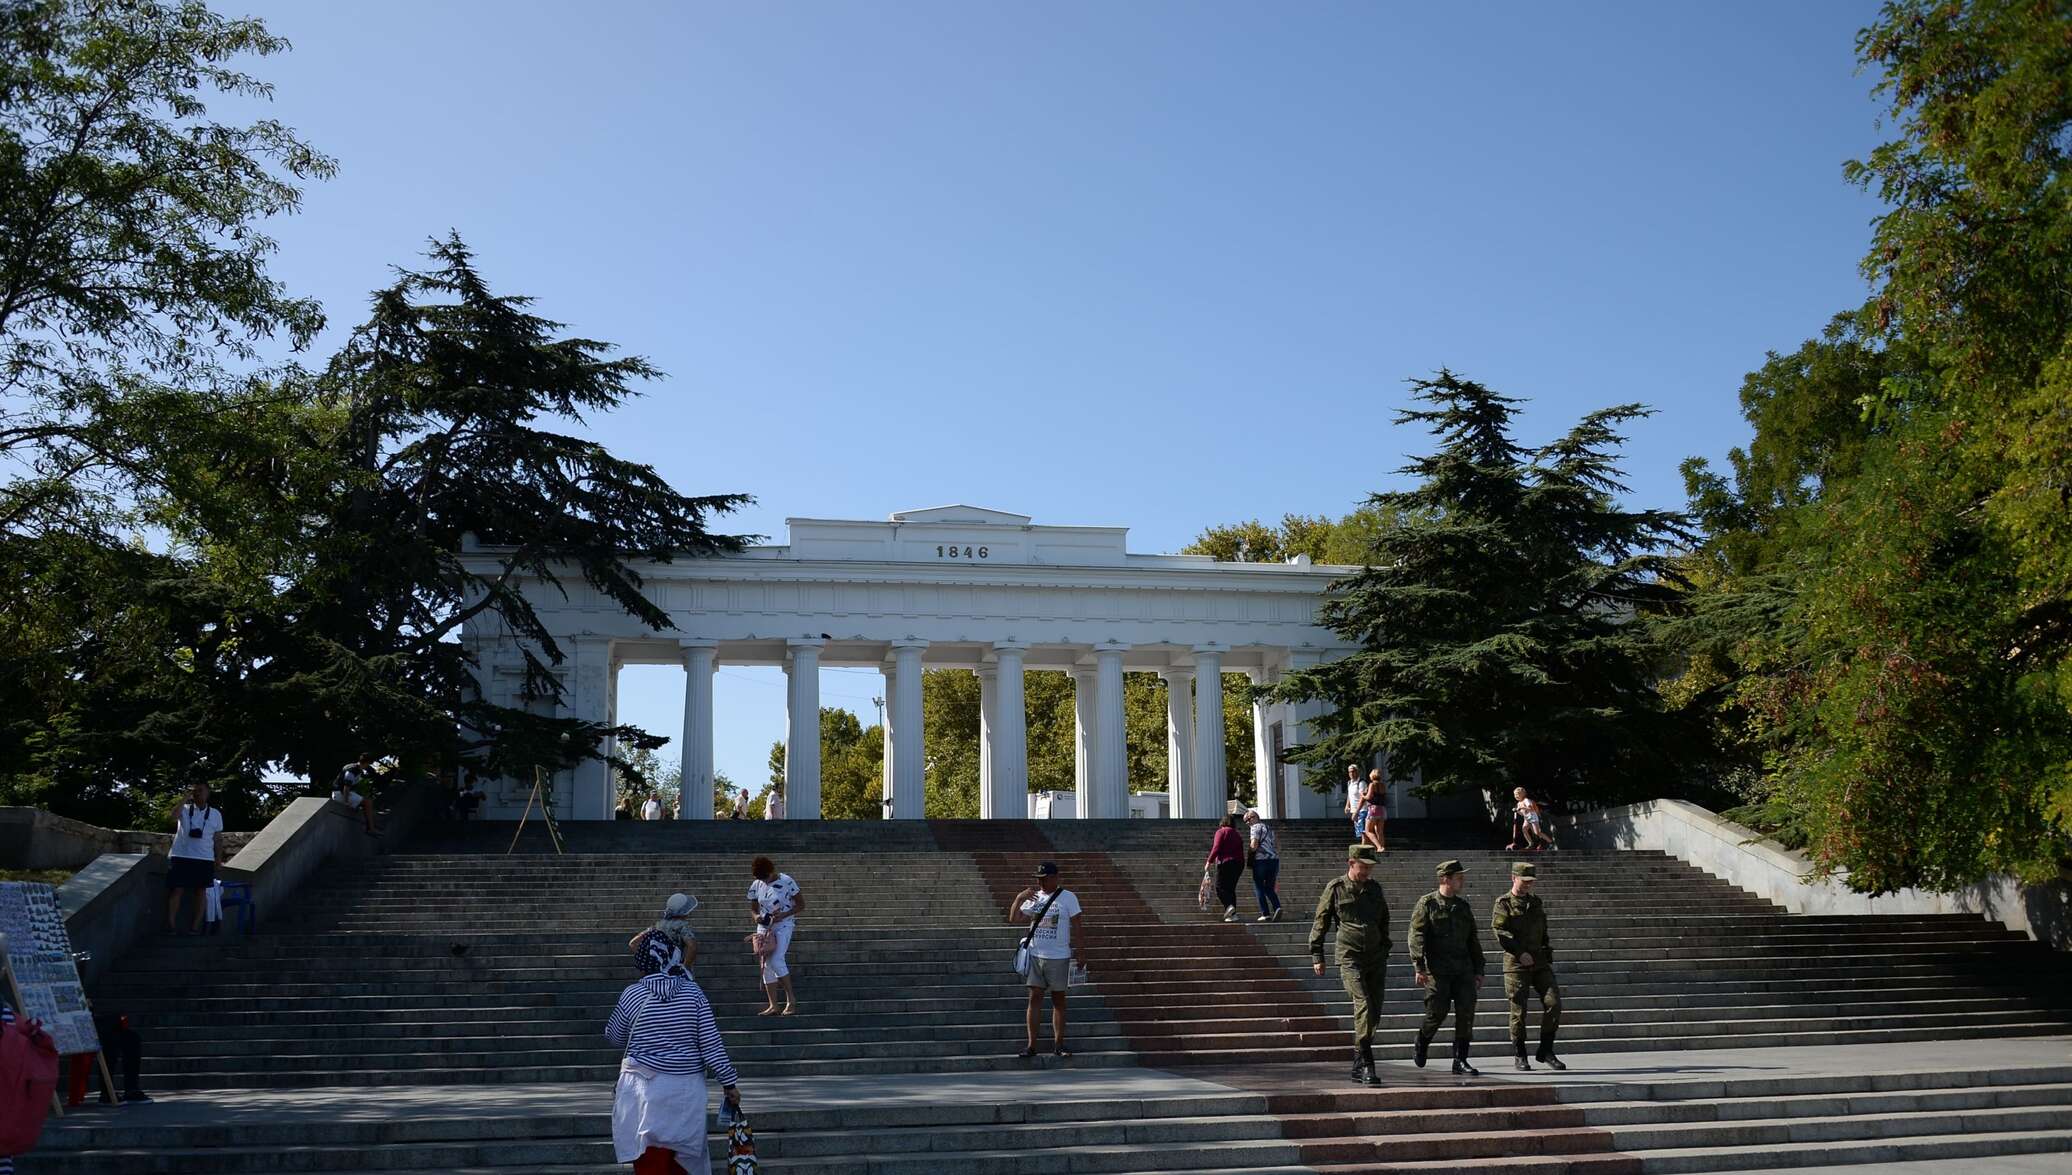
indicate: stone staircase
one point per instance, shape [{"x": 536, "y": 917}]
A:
[
  {"x": 1609, "y": 1127},
  {"x": 482, "y": 977}
]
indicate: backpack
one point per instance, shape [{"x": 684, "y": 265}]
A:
[{"x": 28, "y": 1077}]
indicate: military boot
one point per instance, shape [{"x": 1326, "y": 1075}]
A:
[
  {"x": 1419, "y": 1050},
  {"x": 1546, "y": 1056},
  {"x": 1461, "y": 1068},
  {"x": 1359, "y": 1075},
  {"x": 1521, "y": 1064},
  {"x": 1368, "y": 1075}
]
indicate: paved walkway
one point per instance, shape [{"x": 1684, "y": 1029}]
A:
[
  {"x": 1631, "y": 1072},
  {"x": 1636, "y": 1071},
  {"x": 773, "y": 1095},
  {"x": 1997, "y": 1165}
]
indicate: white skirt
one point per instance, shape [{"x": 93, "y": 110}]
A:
[
  {"x": 774, "y": 967},
  {"x": 661, "y": 1109}
]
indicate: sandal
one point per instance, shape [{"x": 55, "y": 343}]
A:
[
  {"x": 1026, "y": 1055},
  {"x": 789, "y": 1010},
  {"x": 1060, "y": 1053}
]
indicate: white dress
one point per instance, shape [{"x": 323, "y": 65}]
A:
[{"x": 660, "y": 1109}]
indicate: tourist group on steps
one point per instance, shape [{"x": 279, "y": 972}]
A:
[{"x": 672, "y": 1044}]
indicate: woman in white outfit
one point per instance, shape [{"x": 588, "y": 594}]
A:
[
  {"x": 775, "y": 901},
  {"x": 665, "y": 1025}
]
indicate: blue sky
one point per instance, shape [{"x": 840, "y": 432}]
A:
[{"x": 1159, "y": 265}]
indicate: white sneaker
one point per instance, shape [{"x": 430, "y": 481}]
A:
[
  {"x": 1263, "y": 918},
  {"x": 1230, "y": 914}
]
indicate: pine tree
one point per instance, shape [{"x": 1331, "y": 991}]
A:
[
  {"x": 1505, "y": 623},
  {"x": 443, "y": 395}
]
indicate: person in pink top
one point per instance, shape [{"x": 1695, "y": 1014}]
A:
[{"x": 1227, "y": 854}]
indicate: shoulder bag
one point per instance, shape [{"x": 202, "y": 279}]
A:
[{"x": 1023, "y": 960}]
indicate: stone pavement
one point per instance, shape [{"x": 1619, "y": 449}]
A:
[{"x": 911, "y": 1112}]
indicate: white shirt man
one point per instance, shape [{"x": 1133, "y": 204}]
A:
[
  {"x": 1355, "y": 790},
  {"x": 1053, "y": 909},
  {"x": 191, "y": 862},
  {"x": 651, "y": 810},
  {"x": 196, "y": 827},
  {"x": 773, "y": 806}
]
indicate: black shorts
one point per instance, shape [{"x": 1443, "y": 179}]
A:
[{"x": 190, "y": 872}]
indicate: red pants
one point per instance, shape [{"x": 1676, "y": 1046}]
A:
[{"x": 656, "y": 1161}]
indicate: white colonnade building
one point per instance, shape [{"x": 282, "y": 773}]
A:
[{"x": 955, "y": 587}]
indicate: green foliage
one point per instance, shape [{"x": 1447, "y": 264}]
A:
[
  {"x": 1348, "y": 540},
  {"x": 852, "y": 767},
  {"x": 1892, "y": 632},
  {"x": 131, "y": 266},
  {"x": 304, "y": 603},
  {"x": 1506, "y": 624},
  {"x": 643, "y": 773},
  {"x": 128, "y": 230},
  {"x": 950, "y": 743}
]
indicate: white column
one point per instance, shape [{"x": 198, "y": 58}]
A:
[
  {"x": 885, "y": 784},
  {"x": 909, "y": 758},
  {"x": 988, "y": 697},
  {"x": 802, "y": 731},
  {"x": 699, "y": 657},
  {"x": 1083, "y": 740},
  {"x": 587, "y": 793},
  {"x": 1009, "y": 759},
  {"x": 611, "y": 706},
  {"x": 1264, "y": 776},
  {"x": 1179, "y": 685},
  {"x": 1303, "y": 802},
  {"x": 1111, "y": 780},
  {"x": 1211, "y": 785}
]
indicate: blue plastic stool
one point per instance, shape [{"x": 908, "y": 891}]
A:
[{"x": 239, "y": 894}]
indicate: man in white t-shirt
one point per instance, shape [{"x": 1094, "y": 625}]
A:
[
  {"x": 652, "y": 809},
  {"x": 1054, "y": 911},
  {"x": 197, "y": 850},
  {"x": 1355, "y": 791},
  {"x": 773, "y": 804}
]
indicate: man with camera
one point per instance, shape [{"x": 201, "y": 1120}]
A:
[{"x": 197, "y": 850}]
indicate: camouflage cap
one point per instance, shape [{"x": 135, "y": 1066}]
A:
[
  {"x": 1446, "y": 867},
  {"x": 1522, "y": 869},
  {"x": 1362, "y": 853}
]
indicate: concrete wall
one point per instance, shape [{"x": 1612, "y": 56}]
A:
[
  {"x": 116, "y": 900},
  {"x": 119, "y": 898},
  {"x": 1740, "y": 855},
  {"x": 31, "y": 838}
]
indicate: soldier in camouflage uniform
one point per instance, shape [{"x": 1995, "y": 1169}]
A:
[
  {"x": 1354, "y": 904},
  {"x": 1519, "y": 923},
  {"x": 1446, "y": 950}
]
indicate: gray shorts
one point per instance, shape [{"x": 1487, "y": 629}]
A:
[{"x": 1052, "y": 975}]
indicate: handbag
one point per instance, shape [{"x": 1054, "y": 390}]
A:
[
  {"x": 740, "y": 1147},
  {"x": 1208, "y": 885},
  {"x": 1024, "y": 962}
]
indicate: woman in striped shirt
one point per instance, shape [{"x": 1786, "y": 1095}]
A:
[{"x": 665, "y": 1025}]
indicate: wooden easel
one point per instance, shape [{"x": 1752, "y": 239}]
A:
[
  {"x": 14, "y": 996},
  {"x": 538, "y": 796}
]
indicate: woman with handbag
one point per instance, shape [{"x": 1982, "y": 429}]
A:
[
  {"x": 665, "y": 1024},
  {"x": 775, "y": 901},
  {"x": 1227, "y": 854}
]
